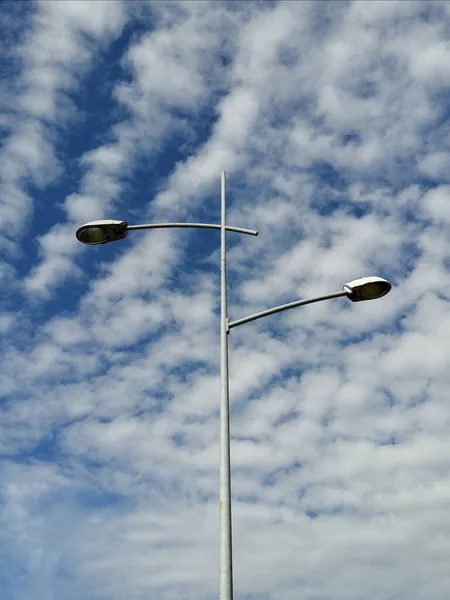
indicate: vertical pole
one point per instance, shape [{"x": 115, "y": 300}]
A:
[{"x": 225, "y": 533}]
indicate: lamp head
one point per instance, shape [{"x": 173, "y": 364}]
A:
[
  {"x": 101, "y": 232},
  {"x": 367, "y": 288}
]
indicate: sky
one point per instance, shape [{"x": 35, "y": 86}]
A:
[{"x": 332, "y": 121}]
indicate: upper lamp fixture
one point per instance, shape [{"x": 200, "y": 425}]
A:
[
  {"x": 367, "y": 288},
  {"x": 101, "y": 232}
]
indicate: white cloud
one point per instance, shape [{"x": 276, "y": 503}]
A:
[
  {"x": 436, "y": 165},
  {"x": 436, "y": 203},
  {"x": 53, "y": 55}
]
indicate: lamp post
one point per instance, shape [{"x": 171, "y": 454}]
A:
[{"x": 366, "y": 288}]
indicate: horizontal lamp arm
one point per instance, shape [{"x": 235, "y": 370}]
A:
[
  {"x": 277, "y": 309},
  {"x": 195, "y": 225}
]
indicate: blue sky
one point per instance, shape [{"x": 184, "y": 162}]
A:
[{"x": 332, "y": 122}]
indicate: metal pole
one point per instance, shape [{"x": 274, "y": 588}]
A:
[{"x": 225, "y": 533}]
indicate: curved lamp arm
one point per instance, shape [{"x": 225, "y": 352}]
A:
[
  {"x": 282, "y": 307},
  {"x": 196, "y": 225}
]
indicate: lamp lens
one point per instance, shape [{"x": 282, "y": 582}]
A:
[
  {"x": 93, "y": 235},
  {"x": 373, "y": 290}
]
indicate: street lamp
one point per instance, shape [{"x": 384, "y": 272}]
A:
[
  {"x": 367, "y": 288},
  {"x": 101, "y": 232}
]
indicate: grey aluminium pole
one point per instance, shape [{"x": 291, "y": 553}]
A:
[{"x": 225, "y": 532}]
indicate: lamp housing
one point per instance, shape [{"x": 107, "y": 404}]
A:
[
  {"x": 102, "y": 232},
  {"x": 367, "y": 288}
]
